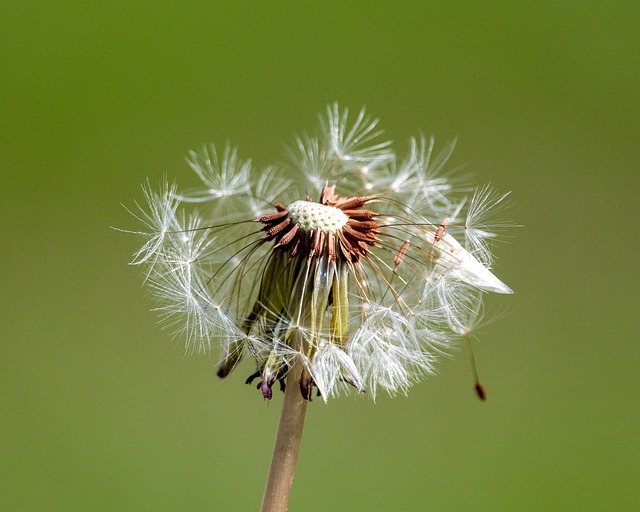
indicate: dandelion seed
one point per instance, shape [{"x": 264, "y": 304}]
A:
[
  {"x": 401, "y": 252},
  {"x": 441, "y": 229},
  {"x": 339, "y": 268}
]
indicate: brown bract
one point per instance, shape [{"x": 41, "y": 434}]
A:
[{"x": 350, "y": 243}]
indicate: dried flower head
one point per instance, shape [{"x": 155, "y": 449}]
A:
[{"x": 351, "y": 265}]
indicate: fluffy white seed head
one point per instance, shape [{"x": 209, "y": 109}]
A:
[{"x": 367, "y": 295}]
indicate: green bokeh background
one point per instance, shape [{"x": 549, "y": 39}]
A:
[{"x": 101, "y": 411}]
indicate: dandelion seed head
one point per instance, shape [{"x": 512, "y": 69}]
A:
[{"x": 350, "y": 264}]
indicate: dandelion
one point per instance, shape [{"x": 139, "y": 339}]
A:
[{"x": 345, "y": 275}]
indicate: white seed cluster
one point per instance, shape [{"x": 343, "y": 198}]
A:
[
  {"x": 312, "y": 216},
  {"x": 362, "y": 299}
]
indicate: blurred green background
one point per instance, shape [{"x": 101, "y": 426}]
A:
[{"x": 100, "y": 409}]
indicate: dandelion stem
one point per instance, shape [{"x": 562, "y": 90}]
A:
[{"x": 285, "y": 452}]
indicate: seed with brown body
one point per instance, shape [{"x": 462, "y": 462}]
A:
[
  {"x": 401, "y": 252},
  {"x": 441, "y": 229}
]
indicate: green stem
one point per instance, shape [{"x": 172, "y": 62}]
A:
[{"x": 285, "y": 452}]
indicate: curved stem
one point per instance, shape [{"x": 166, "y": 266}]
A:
[{"x": 285, "y": 452}]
